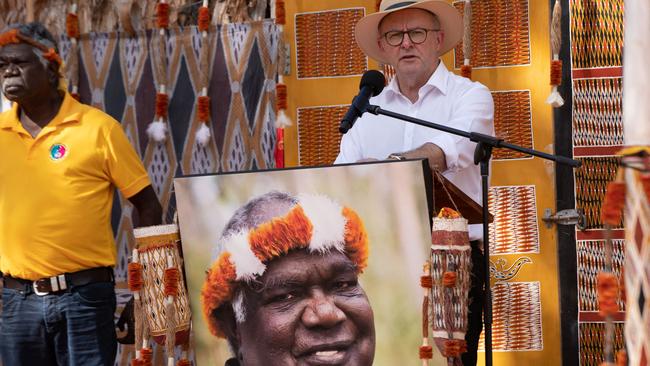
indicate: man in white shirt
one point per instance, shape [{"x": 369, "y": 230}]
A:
[{"x": 411, "y": 36}]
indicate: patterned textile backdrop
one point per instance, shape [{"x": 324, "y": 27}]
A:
[
  {"x": 116, "y": 75},
  {"x": 524, "y": 262},
  {"x": 597, "y": 130}
]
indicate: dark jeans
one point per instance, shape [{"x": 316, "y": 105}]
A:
[
  {"x": 75, "y": 327},
  {"x": 476, "y": 301}
]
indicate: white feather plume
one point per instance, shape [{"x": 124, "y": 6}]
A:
[
  {"x": 328, "y": 221},
  {"x": 247, "y": 265},
  {"x": 157, "y": 131},
  {"x": 203, "y": 134}
]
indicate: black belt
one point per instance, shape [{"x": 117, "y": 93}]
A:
[{"x": 59, "y": 283}]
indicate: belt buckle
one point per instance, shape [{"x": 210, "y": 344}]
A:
[{"x": 36, "y": 291}]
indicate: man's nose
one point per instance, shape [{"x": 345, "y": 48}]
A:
[
  {"x": 322, "y": 312},
  {"x": 10, "y": 70},
  {"x": 406, "y": 41}
]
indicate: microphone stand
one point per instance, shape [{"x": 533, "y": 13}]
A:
[{"x": 482, "y": 156}]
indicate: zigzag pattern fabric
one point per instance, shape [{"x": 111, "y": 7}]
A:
[
  {"x": 591, "y": 342},
  {"x": 596, "y": 33},
  {"x": 598, "y": 112},
  {"x": 321, "y": 40},
  {"x": 318, "y": 134},
  {"x": 517, "y": 321},
  {"x": 512, "y": 122},
  {"x": 591, "y": 182},
  {"x": 500, "y": 33},
  {"x": 637, "y": 276},
  {"x": 514, "y": 229},
  {"x": 591, "y": 260}
]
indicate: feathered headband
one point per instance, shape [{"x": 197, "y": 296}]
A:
[
  {"x": 315, "y": 223},
  {"x": 14, "y": 36}
]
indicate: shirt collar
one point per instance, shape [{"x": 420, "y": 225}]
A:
[
  {"x": 437, "y": 80},
  {"x": 10, "y": 118}
]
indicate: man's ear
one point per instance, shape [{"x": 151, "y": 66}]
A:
[
  {"x": 53, "y": 74},
  {"x": 225, "y": 317},
  {"x": 440, "y": 37}
]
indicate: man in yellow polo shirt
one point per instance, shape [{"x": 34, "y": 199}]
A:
[{"x": 62, "y": 161}]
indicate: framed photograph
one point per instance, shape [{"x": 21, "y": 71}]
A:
[{"x": 284, "y": 286}]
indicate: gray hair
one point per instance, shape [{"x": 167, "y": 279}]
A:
[
  {"x": 254, "y": 213},
  {"x": 38, "y": 33}
]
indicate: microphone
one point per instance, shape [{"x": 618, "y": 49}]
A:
[{"x": 372, "y": 83}]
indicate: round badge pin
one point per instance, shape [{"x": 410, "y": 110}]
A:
[{"x": 58, "y": 152}]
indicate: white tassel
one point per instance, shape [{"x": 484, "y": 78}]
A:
[
  {"x": 157, "y": 131},
  {"x": 282, "y": 120},
  {"x": 555, "y": 99},
  {"x": 203, "y": 135}
]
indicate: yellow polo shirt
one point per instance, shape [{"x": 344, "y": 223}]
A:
[{"x": 56, "y": 191}]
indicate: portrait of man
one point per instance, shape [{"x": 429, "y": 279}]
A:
[
  {"x": 303, "y": 304},
  {"x": 292, "y": 267}
]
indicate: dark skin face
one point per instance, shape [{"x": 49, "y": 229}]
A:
[
  {"x": 24, "y": 79},
  {"x": 307, "y": 309}
]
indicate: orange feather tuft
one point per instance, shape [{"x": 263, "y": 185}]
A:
[
  {"x": 72, "y": 25},
  {"x": 135, "y": 277},
  {"x": 203, "y": 108},
  {"x": 204, "y": 19},
  {"x": 556, "y": 72},
  {"x": 162, "y": 15}
]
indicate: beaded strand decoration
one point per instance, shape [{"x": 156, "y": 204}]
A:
[
  {"x": 72, "y": 31},
  {"x": 282, "y": 119},
  {"x": 203, "y": 102},
  {"x": 426, "y": 282},
  {"x": 466, "y": 68},
  {"x": 555, "y": 99},
  {"x": 157, "y": 129}
]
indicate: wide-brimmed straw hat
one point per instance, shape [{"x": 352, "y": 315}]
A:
[{"x": 367, "y": 34}]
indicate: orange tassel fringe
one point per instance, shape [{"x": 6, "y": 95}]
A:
[
  {"x": 136, "y": 362},
  {"x": 449, "y": 279},
  {"x": 426, "y": 352},
  {"x": 454, "y": 348},
  {"x": 612, "y": 209},
  {"x": 280, "y": 12},
  {"x": 426, "y": 281},
  {"x": 52, "y": 56},
  {"x": 607, "y": 286},
  {"x": 135, "y": 277},
  {"x": 203, "y": 108},
  {"x": 204, "y": 19},
  {"x": 281, "y": 96},
  {"x": 170, "y": 281},
  {"x": 162, "y": 104},
  {"x": 8, "y": 37},
  {"x": 72, "y": 25},
  {"x": 162, "y": 15},
  {"x": 183, "y": 362},
  {"x": 466, "y": 71},
  {"x": 448, "y": 213},
  {"x": 556, "y": 72}
]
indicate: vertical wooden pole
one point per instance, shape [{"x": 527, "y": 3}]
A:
[{"x": 30, "y": 10}]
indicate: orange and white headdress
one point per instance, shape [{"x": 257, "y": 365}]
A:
[
  {"x": 315, "y": 223},
  {"x": 14, "y": 36}
]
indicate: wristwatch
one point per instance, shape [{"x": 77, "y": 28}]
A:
[{"x": 395, "y": 157}]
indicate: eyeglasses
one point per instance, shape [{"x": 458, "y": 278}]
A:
[{"x": 416, "y": 35}]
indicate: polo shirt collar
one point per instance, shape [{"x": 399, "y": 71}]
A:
[
  {"x": 63, "y": 116},
  {"x": 437, "y": 80}
]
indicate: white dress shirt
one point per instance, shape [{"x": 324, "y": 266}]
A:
[{"x": 446, "y": 99}]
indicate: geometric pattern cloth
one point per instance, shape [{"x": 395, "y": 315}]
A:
[
  {"x": 500, "y": 33},
  {"x": 321, "y": 39},
  {"x": 318, "y": 134},
  {"x": 596, "y": 33},
  {"x": 116, "y": 74},
  {"x": 514, "y": 229},
  {"x": 517, "y": 322},
  {"x": 513, "y": 122},
  {"x": 596, "y": 43},
  {"x": 637, "y": 272}
]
